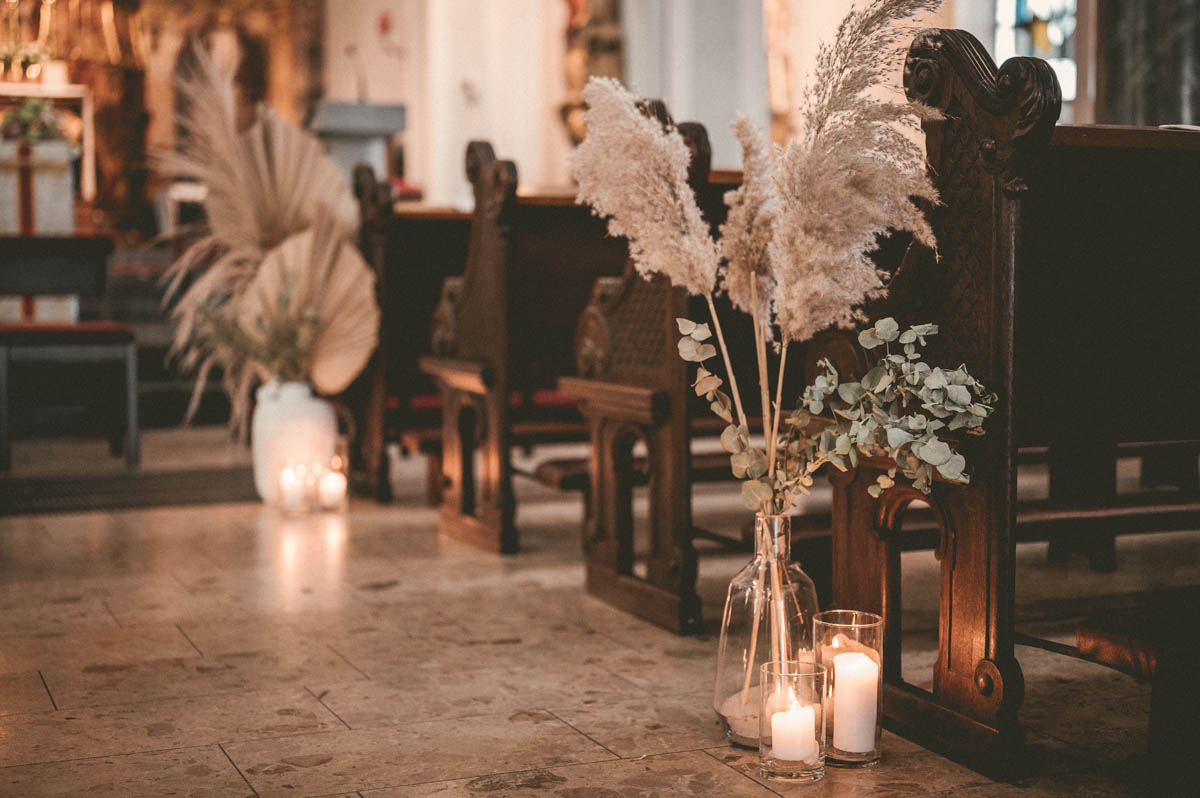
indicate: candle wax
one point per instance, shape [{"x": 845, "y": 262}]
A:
[
  {"x": 855, "y": 702},
  {"x": 794, "y": 734}
]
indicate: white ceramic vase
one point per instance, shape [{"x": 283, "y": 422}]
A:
[{"x": 289, "y": 427}]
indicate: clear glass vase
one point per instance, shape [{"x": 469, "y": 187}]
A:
[{"x": 768, "y": 616}]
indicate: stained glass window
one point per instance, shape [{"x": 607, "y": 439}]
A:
[{"x": 1043, "y": 28}]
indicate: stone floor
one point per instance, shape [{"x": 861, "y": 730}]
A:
[{"x": 225, "y": 651}]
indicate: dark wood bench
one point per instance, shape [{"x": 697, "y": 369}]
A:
[
  {"x": 1067, "y": 265},
  {"x": 1156, "y": 640},
  {"x": 76, "y": 265},
  {"x": 504, "y": 329},
  {"x": 412, "y": 248}
]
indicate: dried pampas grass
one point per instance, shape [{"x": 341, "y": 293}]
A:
[
  {"x": 264, "y": 184},
  {"x": 635, "y": 172},
  {"x": 747, "y": 231},
  {"x": 851, "y": 177}
]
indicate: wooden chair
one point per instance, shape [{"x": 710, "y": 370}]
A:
[
  {"x": 1067, "y": 265},
  {"x": 31, "y": 265},
  {"x": 502, "y": 334}
]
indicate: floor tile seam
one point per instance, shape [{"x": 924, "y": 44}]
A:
[
  {"x": 746, "y": 776},
  {"x": 320, "y": 699},
  {"x": 237, "y": 769},
  {"x": 589, "y": 737},
  {"x": 346, "y": 660}
]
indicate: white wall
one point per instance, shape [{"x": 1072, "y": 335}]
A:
[
  {"x": 474, "y": 69},
  {"x": 705, "y": 58}
]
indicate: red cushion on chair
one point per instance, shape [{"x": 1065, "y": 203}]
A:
[
  {"x": 553, "y": 399},
  {"x": 84, "y": 332}
]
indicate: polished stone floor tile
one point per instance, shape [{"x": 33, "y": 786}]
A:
[
  {"x": 226, "y": 672},
  {"x": 117, "y": 646},
  {"x": 905, "y": 770},
  {"x": 183, "y": 773},
  {"x": 420, "y": 752},
  {"x": 437, "y": 693},
  {"x": 648, "y": 725},
  {"x": 23, "y": 692},
  {"x": 157, "y": 725},
  {"x": 685, "y": 775}
]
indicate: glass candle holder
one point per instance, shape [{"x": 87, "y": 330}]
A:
[
  {"x": 791, "y": 735},
  {"x": 332, "y": 485},
  {"x": 849, "y": 644}
]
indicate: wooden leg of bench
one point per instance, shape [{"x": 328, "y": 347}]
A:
[
  {"x": 133, "y": 439},
  {"x": 433, "y": 479},
  {"x": 5, "y": 445},
  {"x": 1174, "y": 733}
]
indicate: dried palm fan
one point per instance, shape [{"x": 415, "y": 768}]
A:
[
  {"x": 263, "y": 185},
  {"x": 310, "y": 311}
]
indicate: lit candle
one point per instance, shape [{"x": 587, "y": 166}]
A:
[
  {"x": 855, "y": 702},
  {"x": 331, "y": 490},
  {"x": 291, "y": 489},
  {"x": 794, "y": 734}
]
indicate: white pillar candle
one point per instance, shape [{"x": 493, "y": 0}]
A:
[
  {"x": 291, "y": 489},
  {"x": 855, "y": 702},
  {"x": 331, "y": 490},
  {"x": 794, "y": 734}
]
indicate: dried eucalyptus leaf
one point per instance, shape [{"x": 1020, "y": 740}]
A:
[
  {"x": 706, "y": 351},
  {"x": 934, "y": 452},
  {"x": 739, "y": 463},
  {"x": 758, "y": 464},
  {"x": 707, "y": 384},
  {"x": 701, "y": 333},
  {"x": 756, "y": 493},
  {"x": 731, "y": 440},
  {"x": 867, "y": 339},
  {"x": 887, "y": 329},
  {"x": 689, "y": 350},
  {"x": 685, "y": 326}
]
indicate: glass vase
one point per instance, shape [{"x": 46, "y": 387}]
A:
[{"x": 768, "y": 616}]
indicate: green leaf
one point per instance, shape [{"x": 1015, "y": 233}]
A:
[
  {"x": 953, "y": 468},
  {"x": 842, "y": 444},
  {"x": 887, "y": 329},
  {"x": 871, "y": 379},
  {"x": 959, "y": 394},
  {"x": 685, "y": 326},
  {"x": 934, "y": 452},
  {"x": 701, "y": 333},
  {"x": 897, "y": 437},
  {"x": 867, "y": 339},
  {"x": 936, "y": 379},
  {"x": 849, "y": 392}
]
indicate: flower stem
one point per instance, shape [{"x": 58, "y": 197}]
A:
[
  {"x": 760, "y": 346},
  {"x": 778, "y": 411},
  {"x": 737, "y": 399}
]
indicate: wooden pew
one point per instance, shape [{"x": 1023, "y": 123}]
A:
[
  {"x": 502, "y": 334},
  {"x": 1066, "y": 281},
  {"x": 413, "y": 248}
]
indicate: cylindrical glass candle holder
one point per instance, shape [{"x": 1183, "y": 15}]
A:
[
  {"x": 849, "y": 644},
  {"x": 791, "y": 736}
]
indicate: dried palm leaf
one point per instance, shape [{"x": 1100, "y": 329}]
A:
[{"x": 310, "y": 312}]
